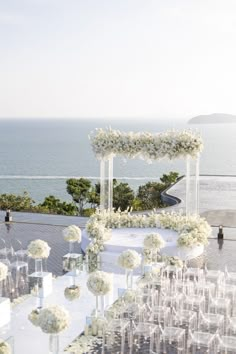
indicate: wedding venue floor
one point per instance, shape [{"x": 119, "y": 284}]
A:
[{"x": 27, "y": 227}]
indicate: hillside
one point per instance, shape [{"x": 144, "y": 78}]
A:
[{"x": 215, "y": 118}]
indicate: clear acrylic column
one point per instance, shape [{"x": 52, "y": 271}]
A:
[
  {"x": 106, "y": 183},
  {"x": 192, "y": 185}
]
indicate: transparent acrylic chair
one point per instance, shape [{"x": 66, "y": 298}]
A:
[
  {"x": 202, "y": 342},
  {"x": 230, "y": 277},
  {"x": 19, "y": 269},
  {"x": 230, "y": 326},
  {"x": 115, "y": 337},
  {"x": 160, "y": 315},
  {"x": 172, "y": 339},
  {"x": 226, "y": 345},
  {"x": 211, "y": 322},
  {"x": 220, "y": 305},
  {"x": 145, "y": 338},
  {"x": 194, "y": 303},
  {"x": 184, "y": 319},
  {"x": 213, "y": 276},
  {"x": 194, "y": 274}
]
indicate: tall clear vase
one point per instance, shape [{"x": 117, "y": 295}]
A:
[
  {"x": 129, "y": 278},
  {"x": 38, "y": 265},
  {"x": 100, "y": 305},
  {"x": 54, "y": 343},
  {"x": 71, "y": 247}
]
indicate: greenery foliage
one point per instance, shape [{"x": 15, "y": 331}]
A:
[{"x": 86, "y": 197}]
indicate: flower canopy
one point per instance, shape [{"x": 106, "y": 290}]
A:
[{"x": 171, "y": 144}]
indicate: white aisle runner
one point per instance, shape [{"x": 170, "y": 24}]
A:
[{"x": 29, "y": 339}]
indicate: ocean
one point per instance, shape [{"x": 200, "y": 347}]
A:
[{"x": 39, "y": 155}]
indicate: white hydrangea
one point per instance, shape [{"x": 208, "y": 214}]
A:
[
  {"x": 38, "y": 249},
  {"x": 5, "y": 347},
  {"x": 154, "y": 241},
  {"x": 129, "y": 259},
  {"x": 100, "y": 283},
  {"x": 53, "y": 319},
  {"x": 72, "y": 233},
  {"x": 72, "y": 293},
  {"x": 3, "y": 271}
]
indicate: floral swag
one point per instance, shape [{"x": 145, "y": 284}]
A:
[
  {"x": 192, "y": 230},
  {"x": 171, "y": 144}
]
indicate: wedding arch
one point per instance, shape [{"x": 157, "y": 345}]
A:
[{"x": 108, "y": 143}]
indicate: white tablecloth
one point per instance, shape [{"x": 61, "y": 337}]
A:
[{"x": 132, "y": 238}]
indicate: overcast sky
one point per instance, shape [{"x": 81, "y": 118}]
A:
[{"x": 117, "y": 58}]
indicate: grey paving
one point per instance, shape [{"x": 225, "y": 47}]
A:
[{"x": 45, "y": 219}]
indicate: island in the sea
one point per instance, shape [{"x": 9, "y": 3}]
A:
[{"x": 215, "y": 118}]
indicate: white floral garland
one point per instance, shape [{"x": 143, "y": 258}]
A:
[
  {"x": 171, "y": 144},
  {"x": 192, "y": 230}
]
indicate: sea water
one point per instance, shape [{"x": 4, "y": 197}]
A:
[{"x": 40, "y": 155}]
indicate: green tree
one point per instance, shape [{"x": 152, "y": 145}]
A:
[
  {"x": 54, "y": 205},
  {"x": 149, "y": 195},
  {"x": 16, "y": 202},
  {"x": 80, "y": 190},
  {"x": 169, "y": 178},
  {"x": 123, "y": 195}
]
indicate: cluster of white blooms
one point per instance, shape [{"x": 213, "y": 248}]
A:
[
  {"x": 100, "y": 224},
  {"x": 38, "y": 249},
  {"x": 3, "y": 271},
  {"x": 53, "y": 319},
  {"x": 100, "y": 283},
  {"x": 174, "y": 261},
  {"x": 192, "y": 230},
  {"x": 72, "y": 292},
  {"x": 72, "y": 233},
  {"x": 171, "y": 144},
  {"x": 154, "y": 241},
  {"x": 34, "y": 317},
  {"x": 129, "y": 259},
  {"x": 5, "y": 347}
]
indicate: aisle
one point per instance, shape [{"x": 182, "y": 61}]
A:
[{"x": 28, "y": 338}]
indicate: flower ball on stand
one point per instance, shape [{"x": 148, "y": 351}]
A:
[
  {"x": 72, "y": 261},
  {"x": 40, "y": 280},
  {"x": 129, "y": 260}
]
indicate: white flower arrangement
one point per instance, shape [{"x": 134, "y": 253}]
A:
[
  {"x": 100, "y": 283},
  {"x": 154, "y": 241},
  {"x": 34, "y": 317},
  {"x": 175, "y": 261},
  {"x": 72, "y": 233},
  {"x": 53, "y": 319},
  {"x": 5, "y": 347},
  {"x": 171, "y": 144},
  {"x": 38, "y": 249},
  {"x": 192, "y": 230},
  {"x": 72, "y": 293},
  {"x": 3, "y": 271},
  {"x": 129, "y": 259}
]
